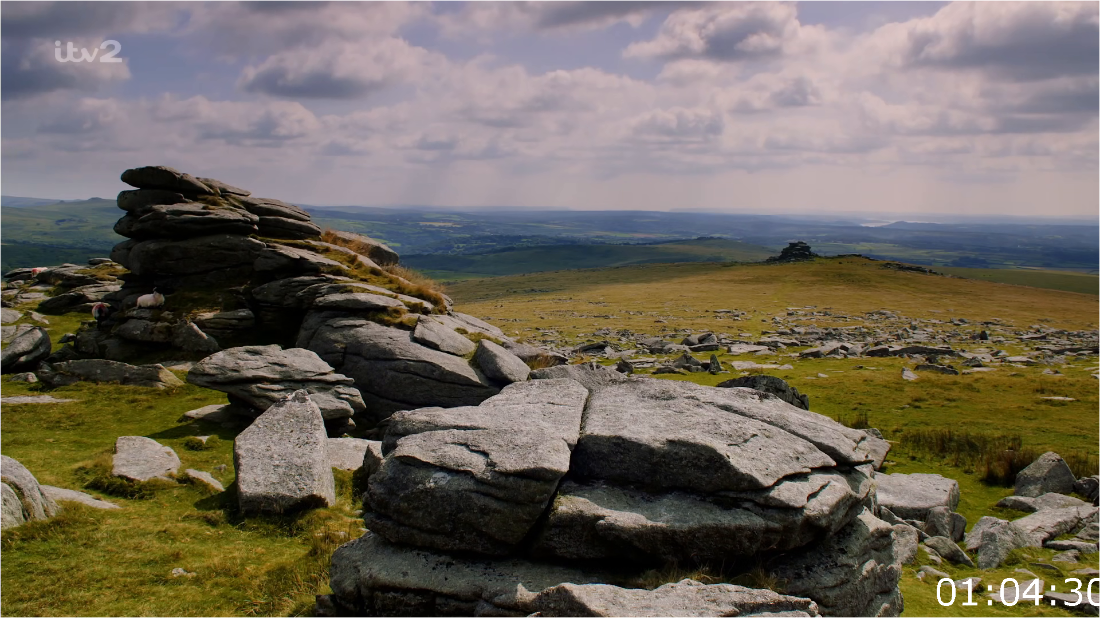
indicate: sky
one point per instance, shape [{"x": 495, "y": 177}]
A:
[{"x": 768, "y": 107}]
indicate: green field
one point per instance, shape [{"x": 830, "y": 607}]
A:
[
  {"x": 567, "y": 257},
  {"x": 1050, "y": 279}
]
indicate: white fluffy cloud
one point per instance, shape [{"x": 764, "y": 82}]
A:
[{"x": 334, "y": 102}]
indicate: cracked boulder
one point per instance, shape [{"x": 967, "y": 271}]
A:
[
  {"x": 475, "y": 479},
  {"x": 391, "y": 370},
  {"x": 23, "y": 498}
]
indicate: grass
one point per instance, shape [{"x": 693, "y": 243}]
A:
[
  {"x": 1081, "y": 283},
  {"x": 119, "y": 562}
]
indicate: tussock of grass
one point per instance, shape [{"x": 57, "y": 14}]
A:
[
  {"x": 96, "y": 474},
  {"x": 195, "y": 444},
  {"x": 859, "y": 420},
  {"x": 997, "y": 457}
]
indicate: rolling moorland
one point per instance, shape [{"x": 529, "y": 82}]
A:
[
  {"x": 500, "y": 241},
  {"x": 119, "y": 561}
]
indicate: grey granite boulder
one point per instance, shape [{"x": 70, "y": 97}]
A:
[
  {"x": 534, "y": 355},
  {"x": 600, "y": 521},
  {"x": 677, "y": 435},
  {"x": 1044, "y": 525},
  {"x": 357, "y": 302},
  {"x": 59, "y": 494},
  {"x": 138, "y": 458},
  {"x": 268, "y": 207},
  {"x": 391, "y": 370},
  {"x": 99, "y": 370},
  {"x": 347, "y": 453},
  {"x": 205, "y": 479},
  {"x": 499, "y": 364},
  {"x": 165, "y": 179},
  {"x": 78, "y": 299},
  {"x": 25, "y": 351},
  {"x": 852, "y": 573},
  {"x": 947, "y": 548},
  {"x": 684, "y": 598},
  {"x": 941, "y": 521},
  {"x": 190, "y": 256},
  {"x": 23, "y": 500},
  {"x": 993, "y": 539},
  {"x": 186, "y": 220},
  {"x": 773, "y": 385},
  {"x": 281, "y": 459},
  {"x": 1089, "y": 487},
  {"x": 1047, "y": 474},
  {"x": 432, "y": 333},
  {"x": 475, "y": 479},
  {"x": 286, "y": 292},
  {"x": 912, "y": 496},
  {"x": 259, "y": 376},
  {"x": 1045, "y": 501},
  {"x": 372, "y": 577}
]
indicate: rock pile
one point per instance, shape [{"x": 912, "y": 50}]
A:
[
  {"x": 797, "y": 251},
  {"x": 582, "y": 464}
]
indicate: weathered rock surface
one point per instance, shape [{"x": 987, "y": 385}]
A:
[
  {"x": 475, "y": 479},
  {"x": 189, "y": 256},
  {"x": 993, "y": 539},
  {"x": 773, "y": 385},
  {"x": 499, "y": 364},
  {"x": 371, "y": 576},
  {"x": 23, "y": 499},
  {"x": 282, "y": 459},
  {"x": 684, "y": 598},
  {"x": 138, "y": 458},
  {"x": 165, "y": 179},
  {"x": 676, "y": 435},
  {"x": 260, "y": 376},
  {"x": 1045, "y": 501},
  {"x": 376, "y": 251},
  {"x": 1047, "y": 474},
  {"x": 346, "y": 453},
  {"x": 595, "y": 521},
  {"x": 853, "y": 573},
  {"x": 1088, "y": 486},
  {"x": 912, "y": 496},
  {"x": 25, "y": 351},
  {"x": 1042, "y": 526},
  {"x": 59, "y": 494},
  {"x": 391, "y": 370},
  {"x": 98, "y": 370},
  {"x": 204, "y": 478},
  {"x": 947, "y": 548},
  {"x": 941, "y": 521},
  {"x": 432, "y": 333}
]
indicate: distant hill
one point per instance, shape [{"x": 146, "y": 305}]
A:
[
  {"x": 48, "y": 234},
  {"x": 514, "y": 261},
  {"x": 11, "y": 201}
]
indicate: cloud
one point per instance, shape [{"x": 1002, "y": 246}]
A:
[
  {"x": 548, "y": 17},
  {"x": 52, "y": 20},
  {"x": 729, "y": 32},
  {"x": 679, "y": 124},
  {"x": 1014, "y": 40},
  {"x": 338, "y": 70}
]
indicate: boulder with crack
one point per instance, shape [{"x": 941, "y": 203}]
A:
[{"x": 475, "y": 479}]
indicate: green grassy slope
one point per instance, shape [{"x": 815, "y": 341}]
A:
[
  {"x": 57, "y": 233},
  {"x": 566, "y": 257},
  {"x": 1050, "y": 279}
]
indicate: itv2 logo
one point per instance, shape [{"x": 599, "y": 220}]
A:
[{"x": 71, "y": 52}]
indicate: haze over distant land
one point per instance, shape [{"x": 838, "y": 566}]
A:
[{"x": 883, "y": 110}]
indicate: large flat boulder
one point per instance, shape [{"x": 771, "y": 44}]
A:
[
  {"x": 912, "y": 496},
  {"x": 100, "y": 370},
  {"x": 165, "y": 179},
  {"x": 1047, "y": 474},
  {"x": 347, "y": 453},
  {"x": 684, "y": 598},
  {"x": 475, "y": 479},
  {"x": 599, "y": 521},
  {"x": 260, "y": 376},
  {"x": 24, "y": 499},
  {"x": 186, "y": 221},
  {"x": 677, "y": 435},
  {"x": 432, "y": 333},
  {"x": 138, "y": 458},
  {"x": 1044, "y": 525},
  {"x": 281, "y": 459},
  {"x": 190, "y": 256},
  {"x": 391, "y": 370}
]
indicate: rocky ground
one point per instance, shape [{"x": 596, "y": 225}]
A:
[{"x": 500, "y": 476}]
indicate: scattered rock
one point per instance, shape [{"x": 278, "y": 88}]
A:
[
  {"x": 941, "y": 521},
  {"x": 912, "y": 496},
  {"x": 60, "y": 494},
  {"x": 138, "y": 458},
  {"x": 99, "y": 370},
  {"x": 205, "y": 479},
  {"x": 773, "y": 385},
  {"x": 1048, "y": 473},
  {"x": 947, "y": 548},
  {"x": 25, "y": 351},
  {"x": 499, "y": 364},
  {"x": 34, "y": 399},
  {"x": 1045, "y": 501}
]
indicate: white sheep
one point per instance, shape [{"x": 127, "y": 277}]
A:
[{"x": 151, "y": 301}]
